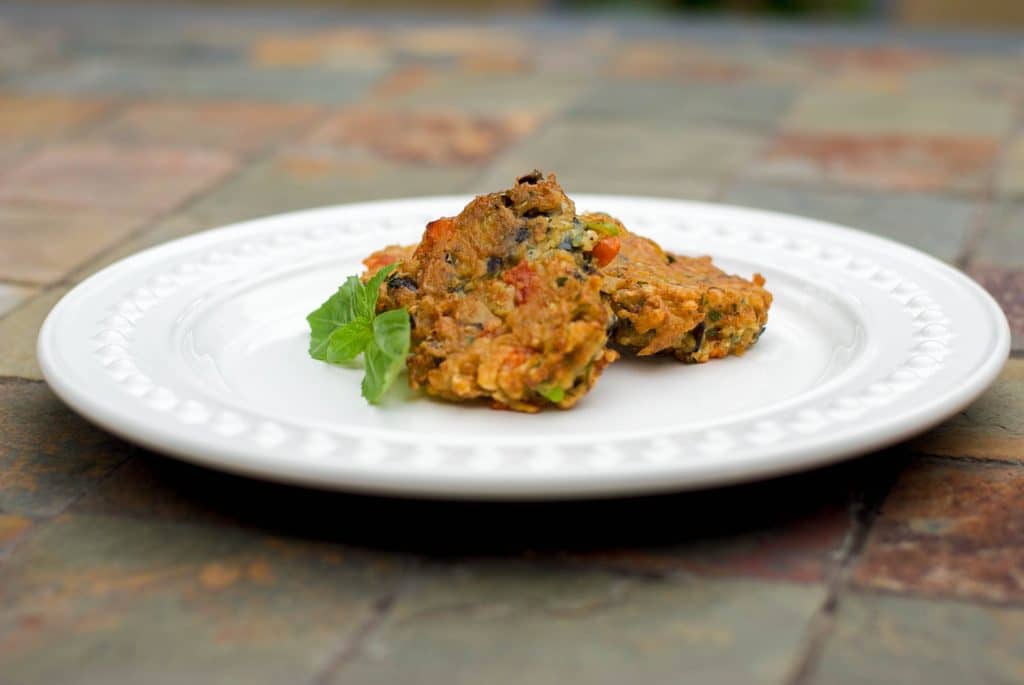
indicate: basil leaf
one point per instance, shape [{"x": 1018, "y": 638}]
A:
[
  {"x": 346, "y": 342},
  {"x": 391, "y": 332},
  {"x": 367, "y": 305},
  {"x": 354, "y": 300},
  {"x": 347, "y": 324},
  {"x": 338, "y": 310},
  {"x": 385, "y": 355}
]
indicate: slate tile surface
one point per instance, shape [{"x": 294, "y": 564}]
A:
[{"x": 123, "y": 127}]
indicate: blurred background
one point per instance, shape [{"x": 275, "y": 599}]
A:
[{"x": 995, "y": 13}]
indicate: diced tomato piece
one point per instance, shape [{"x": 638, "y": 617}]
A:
[
  {"x": 378, "y": 260},
  {"x": 439, "y": 229},
  {"x": 523, "y": 278},
  {"x": 516, "y": 356},
  {"x": 606, "y": 250}
]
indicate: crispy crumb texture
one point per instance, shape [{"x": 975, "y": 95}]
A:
[
  {"x": 505, "y": 301},
  {"x": 518, "y": 299},
  {"x": 684, "y": 305}
]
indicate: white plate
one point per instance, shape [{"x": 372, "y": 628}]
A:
[{"x": 197, "y": 348}]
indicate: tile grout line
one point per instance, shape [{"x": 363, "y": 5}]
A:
[
  {"x": 23, "y": 283},
  {"x": 5, "y": 379},
  {"x": 980, "y": 461},
  {"x": 379, "y": 611},
  {"x": 864, "y": 509}
]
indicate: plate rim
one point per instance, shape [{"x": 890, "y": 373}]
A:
[{"x": 560, "y": 486}]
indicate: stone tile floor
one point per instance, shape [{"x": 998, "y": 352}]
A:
[{"x": 122, "y": 128}]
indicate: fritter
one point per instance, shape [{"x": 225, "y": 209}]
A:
[
  {"x": 684, "y": 305},
  {"x": 664, "y": 302},
  {"x": 505, "y": 300}
]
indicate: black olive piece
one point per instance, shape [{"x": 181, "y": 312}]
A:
[
  {"x": 671, "y": 258},
  {"x": 396, "y": 282},
  {"x": 448, "y": 259},
  {"x": 494, "y": 265},
  {"x": 698, "y": 336},
  {"x": 612, "y": 324},
  {"x": 531, "y": 178},
  {"x": 506, "y": 200},
  {"x": 522, "y": 233}
]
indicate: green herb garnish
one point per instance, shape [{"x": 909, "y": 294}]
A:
[
  {"x": 714, "y": 315},
  {"x": 553, "y": 393},
  {"x": 347, "y": 325}
]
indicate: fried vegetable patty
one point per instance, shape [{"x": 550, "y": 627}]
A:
[
  {"x": 683, "y": 305},
  {"x": 510, "y": 300},
  {"x": 505, "y": 300}
]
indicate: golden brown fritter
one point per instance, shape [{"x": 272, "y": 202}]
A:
[
  {"x": 665, "y": 302},
  {"x": 505, "y": 301},
  {"x": 684, "y": 305}
]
